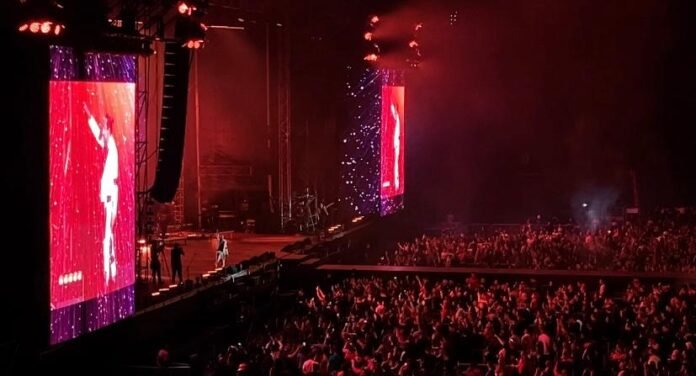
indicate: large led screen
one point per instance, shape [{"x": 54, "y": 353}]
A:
[
  {"x": 392, "y": 149},
  {"x": 92, "y": 191}
]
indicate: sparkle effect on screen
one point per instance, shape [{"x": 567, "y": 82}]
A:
[
  {"x": 360, "y": 170},
  {"x": 360, "y": 146},
  {"x": 83, "y": 297}
]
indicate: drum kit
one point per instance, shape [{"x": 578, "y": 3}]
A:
[{"x": 309, "y": 213}]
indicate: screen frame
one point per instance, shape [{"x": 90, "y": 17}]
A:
[{"x": 85, "y": 68}]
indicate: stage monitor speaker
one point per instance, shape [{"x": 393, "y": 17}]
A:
[{"x": 177, "y": 60}]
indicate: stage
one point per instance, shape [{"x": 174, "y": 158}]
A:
[{"x": 200, "y": 251}]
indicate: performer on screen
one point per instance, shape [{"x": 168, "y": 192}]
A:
[
  {"x": 397, "y": 144},
  {"x": 108, "y": 193}
]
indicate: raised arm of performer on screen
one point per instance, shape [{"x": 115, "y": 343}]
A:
[{"x": 94, "y": 127}]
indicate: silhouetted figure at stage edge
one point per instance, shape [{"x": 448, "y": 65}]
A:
[
  {"x": 155, "y": 264},
  {"x": 177, "y": 253}
]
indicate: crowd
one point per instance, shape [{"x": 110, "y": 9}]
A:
[
  {"x": 650, "y": 247},
  {"x": 413, "y": 326}
]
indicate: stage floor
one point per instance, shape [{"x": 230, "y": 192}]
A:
[{"x": 199, "y": 251}]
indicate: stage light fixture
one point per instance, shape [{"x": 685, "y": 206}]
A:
[
  {"x": 371, "y": 57},
  {"x": 413, "y": 44},
  {"x": 418, "y": 26},
  {"x": 41, "y": 17},
  {"x": 453, "y": 17},
  {"x": 368, "y": 36},
  {"x": 374, "y": 20},
  {"x": 46, "y": 27},
  {"x": 193, "y": 44},
  {"x": 194, "y": 35},
  {"x": 186, "y": 8}
]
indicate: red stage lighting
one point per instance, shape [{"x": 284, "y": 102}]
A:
[
  {"x": 46, "y": 27},
  {"x": 371, "y": 57},
  {"x": 193, "y": 43},
  {"x": 418, "y": 26},
  {"x": 185, "y": 8},
  {"x": 41, "y": 17},
  {"x": 374, "y": 19},
  {"x": 194, "y": 36},
  {"x": 368, "y": 36},
  {"x": 413, "y": 44}
]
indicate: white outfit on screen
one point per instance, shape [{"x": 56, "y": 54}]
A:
[
  {"x": 397, "y": 145},
  {"x": 108, "y": 193}
]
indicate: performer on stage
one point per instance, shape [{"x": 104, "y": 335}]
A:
[
  {"x": 155, "y": 264},
  {"x": 108, "y": 193},
  {"x": 222, "y": 252},
  {"x": 177, "y": 266}
]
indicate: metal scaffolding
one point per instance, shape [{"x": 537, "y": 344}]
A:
[
  {"x": 141, "y": 150},
  {"x": 284, "y": 128}
]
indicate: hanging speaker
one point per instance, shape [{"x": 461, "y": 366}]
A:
[{"x": 177, "y": 61}]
